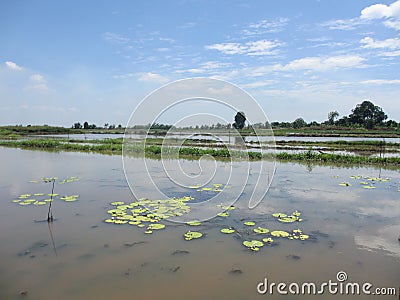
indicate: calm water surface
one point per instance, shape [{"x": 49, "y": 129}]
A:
[{"x": 351, "y": 229}]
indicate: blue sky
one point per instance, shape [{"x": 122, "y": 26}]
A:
[{"x": 62, "y": 62}]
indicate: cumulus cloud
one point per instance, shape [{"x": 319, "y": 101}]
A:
[
  {"x": 391, "y": 13},
  {"x": 378, "y": 11},
  {"x": 153, "y": 77},
  {"x": 13, "y": 66},
  {"x": 260, "y": 47}
]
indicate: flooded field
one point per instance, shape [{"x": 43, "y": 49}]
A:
[{"x": 349, "y": 215}]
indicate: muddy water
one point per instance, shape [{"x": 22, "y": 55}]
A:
[{"x": 351, "y": 229}]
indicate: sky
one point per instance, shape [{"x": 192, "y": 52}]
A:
[{"x": 63, "y": 62}]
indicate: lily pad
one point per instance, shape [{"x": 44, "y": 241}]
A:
[
  {"x": 304, "y": 237},
  {"x": 289, "y": 219},
  {"x": 223, "y": 214},
  {"x": 227, "y": 230},
  {"x": 249, "y": 223},
  {"x": 368, "y": 187},
  {"x": 192, "y": 235},
  {"x": 268, "y": 240},
  {"x": 279, "y": 215},
  {"x": 156, "y": 226},
  {"x": 194, "y": 223},
  {"x": 280, "y": 233},
  {"x": 261, "y": 230},
  {"x": 253, "y": 245},
  {"x": 344, "y": 184}
]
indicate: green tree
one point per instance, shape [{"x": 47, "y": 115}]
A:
[
  {"x": 240, "y": 120},
  {"x": 86, "y": 125},
  {"x": 332, "y": 116},
  {"x": 299, "y": 123},
  {"x": 367, "y": 114},
  {"x": 77, "y": 125}
]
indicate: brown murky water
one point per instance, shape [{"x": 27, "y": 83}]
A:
[{"x": 351, "y": 229}]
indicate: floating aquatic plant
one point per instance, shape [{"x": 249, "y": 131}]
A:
[
  {"x": 368, "y": 187},
  {"x": 223, "y": 214},
  {"x": 253, "y": 245},
  {"x": 227, "y": 230},
  {"x": 344, "y": 184},
  {"x": 261, "y": 230},
  {"x": 194, "y": 223},
  {"x": 190, "y": 235},
  {"x": 268, "y": 240},
  {"x": 280, "y": 233},
  {"x": 249, "y": 223}
]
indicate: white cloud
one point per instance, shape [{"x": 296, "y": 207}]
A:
[
  {"x": 257, "y": 84},
  {"x": 382, "y": 11},
  {"x": 116, "y": 38},
  {"x": 266, "y": 26},
  {"x": 381, "y": 81},
  {"x": 374, "y": 44},
  {"x": 153, "y": 77},
  {"x": 260, "y": 47},
  {"x": 391, "y": 53},
  {"x": 37, "y": 78},
  {"x": 322, "y": 63},
  {"x": 13, "y": 66},
  {"x": 346, "y": 24},
  {"x": 378, "y": 11}
]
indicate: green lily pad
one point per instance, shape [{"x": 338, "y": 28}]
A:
[
  {"x": 223, "y": 214},
  {"x": 192, "y": 235},
  {"x": 120, "y": 222},
  {"x": 261, "y": 230},
  {"x": 16, "y": 201},
  {"x": 280, "y": 233},
  {"x": 368, "y": 187},
  {"x": 279, "y": 215},
  {"x": 253, "y": 245},
  {"x": 38, "y": 194},
  {"x": 148, "y": 232},
  {"x": 118, "y": 203},
  {"x": 344, "y": 184},
  {"x": 227, "y": 230},
  {"x": 304, "y": 237},
  {"x": 52, "y": 195},
  {"x": 194, "y": 223},
  {"x": 109, "y": 220},
  {"x": 289, "y": 219},
  {"x": 156, "y": 226},
  {"x": 268, "y": 240},
  {"x": 38, "y": 203},
  {"x": 249, "y": 223}
]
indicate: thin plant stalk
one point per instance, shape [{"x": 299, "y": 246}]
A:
[{"x": 50, "y": 213}]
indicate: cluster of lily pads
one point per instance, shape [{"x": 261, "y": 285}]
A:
[
  {"x": 367, "y": 182},
  {"x": 42, "y": 199},
  {"x": 38, "y": 199},
  {"x": 149, "y": 214},
  {"x": 216, "y": 187},
  {"x": 51, "y": 179}
]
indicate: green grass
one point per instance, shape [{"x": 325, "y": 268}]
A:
[{"x": 114, "y": 146}]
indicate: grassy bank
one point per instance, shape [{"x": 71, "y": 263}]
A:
[{"x": 114, "y": 146}]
